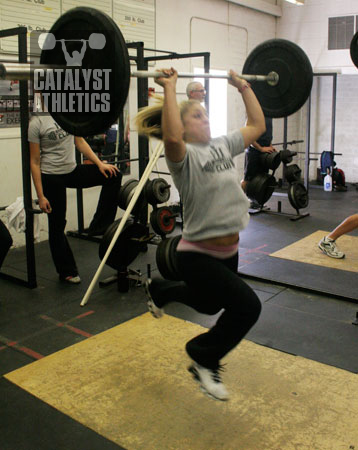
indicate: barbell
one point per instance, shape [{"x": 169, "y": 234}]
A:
[{"x": 87, "y": 99}]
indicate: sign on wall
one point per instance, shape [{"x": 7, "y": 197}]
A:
[
  {"x": 33, "y": 14},
  {"x": 136, "y": 20},
  {"x": 105, "y": 5}
]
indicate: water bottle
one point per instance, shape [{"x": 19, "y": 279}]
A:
[{"x": 328, "y": 182}]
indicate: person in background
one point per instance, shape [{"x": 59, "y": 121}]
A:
[
  {"x": 196, "y": 91},
  {"x": 215, "y": 210},
  {"x": 54, "y": 168},
  {"x": 328, "y": 244}
]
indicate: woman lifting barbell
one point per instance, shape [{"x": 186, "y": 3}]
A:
[
  {"x": 53, "y": 167},
  {"x": 215, "y": 210}
]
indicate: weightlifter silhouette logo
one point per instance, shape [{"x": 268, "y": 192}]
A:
[{"x": 72, "y": 88}]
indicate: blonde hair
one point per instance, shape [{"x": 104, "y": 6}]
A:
[{"x": 149, "y": 119}]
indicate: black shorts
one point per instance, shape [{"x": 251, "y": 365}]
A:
[{"x": 253, "y": 163}]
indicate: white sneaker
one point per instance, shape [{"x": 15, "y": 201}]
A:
[
  {"x": 73, "y": 279},
  {"x": 210, "y": 381},
  {"x": 153, "y": 308},
  {"x": 329, "y": 247}
]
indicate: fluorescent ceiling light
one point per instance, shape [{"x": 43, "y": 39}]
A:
[{"x": 297, "y": 2}]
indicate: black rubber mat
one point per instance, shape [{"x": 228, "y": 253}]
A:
[
  {"x": 267, "y": 233},
  {"x": 30, "y": 424},
  {"x": 326, "y": 280}
]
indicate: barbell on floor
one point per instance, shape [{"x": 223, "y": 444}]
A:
[{"x": 280, "y": 72}]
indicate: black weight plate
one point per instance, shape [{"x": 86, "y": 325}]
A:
[
  {"x": 149, "y": 195},
  {"x": 126, "y": 249},
  {"x": 292, "y": 173},
  {"x": 175, "y": 275},
  {"x": 271, "y": 160},
  {"x": 292, "y": 65},
  {"x": 354, "y": 49},
  {"x": 298, "y": 195},
  {"x": 124, "y": 193},
  {"x": 157, "y": 191},
  {"x": 161, "y": 258},
  {"x": 286, "y": 156},
  {"x": 161, "y": 190},
  {"x": 79, "y": 23},
  {"x": 261, "y": 187}
]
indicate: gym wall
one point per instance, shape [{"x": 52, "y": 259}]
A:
[{"x": 307, "y": 26}]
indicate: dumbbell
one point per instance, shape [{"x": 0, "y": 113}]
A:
[{"x": 96, "y": 41}]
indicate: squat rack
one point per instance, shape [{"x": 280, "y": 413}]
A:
[{"x": 21, "y": 33}]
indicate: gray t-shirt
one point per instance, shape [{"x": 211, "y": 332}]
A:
[
  {"x": 57, "y": 147},
  {"x": 214, "y": 203}
]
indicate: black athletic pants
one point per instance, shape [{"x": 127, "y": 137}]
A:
[
  {"x": 54, "y": 188},
  {"x": 211, "y": 285},
  {"x": 5, "y": 242}
]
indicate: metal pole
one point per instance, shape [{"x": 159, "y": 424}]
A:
[
  {"x": 26, "y": 172},
  {"x": 206, "y": 82},
  {"x": 308, "y": 138},
  {"x": 272, "y": 77},
  {"x": 334, "y": 100},
  {"x": 13, "y": 71}
]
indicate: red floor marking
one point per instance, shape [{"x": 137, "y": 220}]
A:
[
  {"x": 256, "y": 250},
  {"x": 69, "y": 327},
  {"x": 78, "y": 331},
  {"x": 15, "y": 345},
  {"x": 42, "y": 316},
  {"x": 30, "y": 352},
  {"x": 84, "y": 314}
]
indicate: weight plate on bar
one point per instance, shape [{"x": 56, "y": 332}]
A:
[
  {"x": 157, "y": 191},
  {"x": 166, "y": 258},
  {"x": 124, "y": 192},
  {"x": 292, "y": 173},
  {"x": 161, "y": 259},
  {"x": 173, "y": 258},
  {"x": 127, "y": 246},
  {"x": 354, "y": 49},
  {"x": 106, "y": 91},
  {"x": 298, "y": 195},
  {"x": 271, "y": 160},
  {"x": 125, "y": 195},
  {"x": 292, "y": 65},
  {"x": 162, "y": 220},
  {"x": 287, "y": 156},
  {"x": 261, "y": 187}
]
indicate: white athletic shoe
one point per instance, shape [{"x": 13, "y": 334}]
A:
[
  {"x": 153, "y": 308},
  {"x": 329, "y": 247},
  {"x": 210, "y": 381},
  {"x": 73, "y": 279}
]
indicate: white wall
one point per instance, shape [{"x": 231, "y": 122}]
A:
[{"x": 307, "y": 26}]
